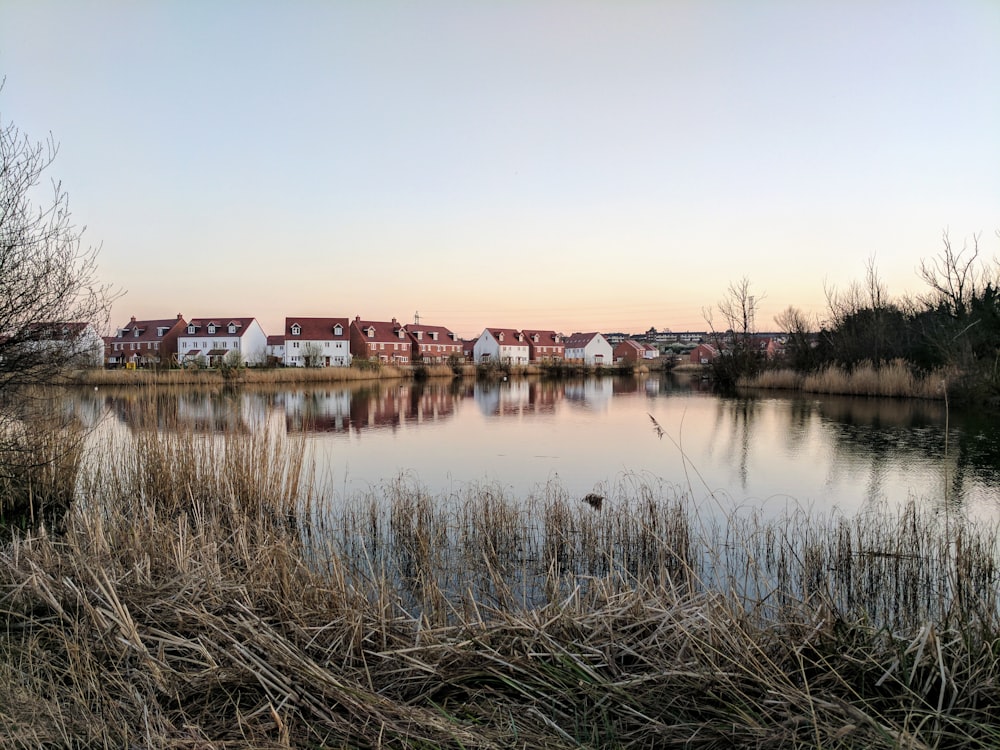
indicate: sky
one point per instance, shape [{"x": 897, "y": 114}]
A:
[{"x": 541, "y": 164}]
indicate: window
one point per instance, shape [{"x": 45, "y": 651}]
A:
[
  {"x": 190, "y": 329},
  {"x": 211, "y": 329},
  {"x": 296, "y": 329},
  {"x": 295, "y": 344},
  {"x": 338, "y": 330},
  {"x": 135, "y": 332},
  {"x": 232, "y": 328}
]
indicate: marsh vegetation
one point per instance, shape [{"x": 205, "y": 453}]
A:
[{"x": 204, "y": 590}]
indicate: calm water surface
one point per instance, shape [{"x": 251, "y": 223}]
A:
[{"x": 770, "y": 451}]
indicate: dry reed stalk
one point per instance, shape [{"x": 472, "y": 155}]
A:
[
  {"x": 185, "y": 606},
  {"x": 893, "y": 379},
  {"x": 256, "y": 376}
]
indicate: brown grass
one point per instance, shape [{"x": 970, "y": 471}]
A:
[
  {"x": 893, "y": 380},
  {"x": 207, "y": 592},
  {"x": 253, "y": 375}
]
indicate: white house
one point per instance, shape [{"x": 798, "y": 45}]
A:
[
  {"x": 317, "y": 342},
  {"x": 209, "y": 340},
  {"x": 589, "y": 348},
  {"x": 275, "y": 348},
  {"x": 75, "y": 344},
  {"x": 502, "y": 345}
]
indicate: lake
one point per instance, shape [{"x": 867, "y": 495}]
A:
[{"x": 768, "y": 451}]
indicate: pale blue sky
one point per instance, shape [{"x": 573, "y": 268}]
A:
[{"x": 566, "y": 165}]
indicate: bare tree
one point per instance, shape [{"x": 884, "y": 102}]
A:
[
  {"x": 739, "y": 312},
  {"x": 955, "y": 277},
  {"x": 312, "y": 355},
  {"x": 739, "y": 309},
  {"x": 799, "y": 347},
  {"x": 47, "y": 275},
  {"x": 49, "y": 295}
]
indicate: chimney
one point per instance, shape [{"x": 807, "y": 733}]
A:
[
  {"x": 180, "y": 317},
  {"x": 133, "y": 320}
]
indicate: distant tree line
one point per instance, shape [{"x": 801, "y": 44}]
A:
[{"x": 954, "y": 326}]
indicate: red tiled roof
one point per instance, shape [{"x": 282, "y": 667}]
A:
[
  {"x": 630, "y": 344},
  {"x": 147, "y": 329},
  {"x": 545, "y": 338},
  {"x": 317, "y": 329},
  {"x": 578, "y": 340},
  {"x": 443, "y": 333},
  {"x": 382, "y": 331},
  {"x": 509, "y": 336},
  {"x": 275, "y": 339},
  {"x": 221, "y": 326}
]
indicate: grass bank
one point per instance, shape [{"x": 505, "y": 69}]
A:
[
  {"x": 210, "y": 592},
  {"x": 257, "y": 376},
  {"x": 893, "y": 380}
]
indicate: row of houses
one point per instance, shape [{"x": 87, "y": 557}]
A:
[{"x": 336, "y": 342}]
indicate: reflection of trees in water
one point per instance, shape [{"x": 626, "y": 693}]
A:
[
  {"x": 735, "y": 417},
  {"x": 877, "y": 434},
  {"x": 881, "y": 432}
]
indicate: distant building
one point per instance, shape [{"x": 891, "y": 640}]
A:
[
  {"x": 275, "y": 350},
  {"x": 703, "y": 354},
  {"x": 317, "y": 342},
  {"x": 589, "y": 348},
  {"x": 210, "y": 340},
  {"x": 73, "y": 344},
  {"x": 380, "y": 341},
  {"x": 146, "y": 343},
  {"x": 505, "y": 346},
  {"x": 433, "y": 343},
  {"x": 544, "y": 346}
]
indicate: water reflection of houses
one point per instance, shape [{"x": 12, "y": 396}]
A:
[
  {"x": 379, "y": 407},
  {"x": 636, "y": 385},
  {"x": 595, "y": 393},
  {"x": 317, "y": 410},
  {"x": 191, "y": 409},
  {"x": 515, "y": 398}
]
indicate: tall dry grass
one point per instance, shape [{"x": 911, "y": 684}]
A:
[
  {"x": 208, "y": 592},
  {"x": 254, "y": 375},
  {"x": 41, "y": 448},
  {"x": 893, "y": 379}
]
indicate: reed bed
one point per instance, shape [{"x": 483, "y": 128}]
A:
[
  {"x": 210, "y": 592},
  {"x": 254, "y": 375},
  {"x": 893, "y": 380}
]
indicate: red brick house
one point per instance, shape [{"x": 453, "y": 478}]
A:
[
  {"x": 629, "y": 351},
  {"x": 433, "y": 343},
  {"x": 544, "y": 346},
  {"x": 146, "y": 343},
  {"x": 380, "y": 341},
  {"x": 703, "y": 354}
]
